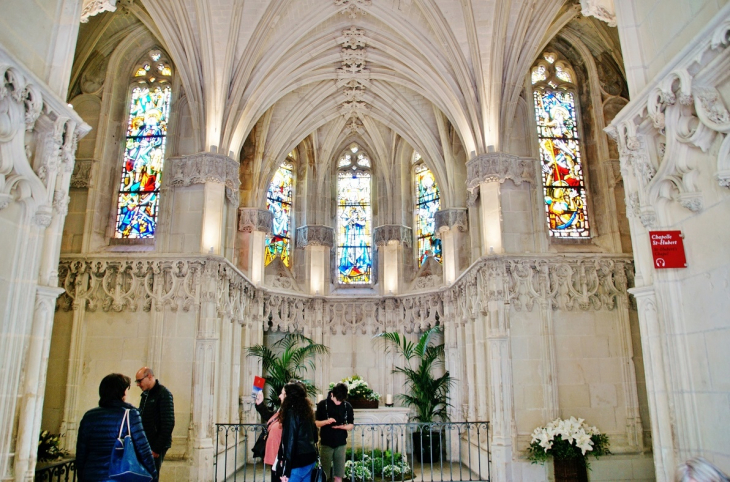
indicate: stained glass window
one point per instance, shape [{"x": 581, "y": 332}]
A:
[
  {"x": 560, "y": 153},
  {"x": 354, "y": 218},
  {"x": 427, "y": 203},
  {"x": 279, "y": 201},
  {"x": 144, "y": 152}
]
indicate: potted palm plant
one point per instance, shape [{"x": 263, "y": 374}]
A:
[
  {"x": 287, "y": 359},
  {"x": 425, "y": 392}
]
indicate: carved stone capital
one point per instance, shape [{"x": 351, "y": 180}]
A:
[
  {"x": 315, "y": 235},
  {"x": 205, "y": 167},
  {"x": 95, "y": 7},
  {"x": 81, "y": 177},
  {"x": 253, "y": 219},
  {"x": 454, "y": 218},
  {"x": 498, "y": 167},
  {"x": 393, "y": 232}
]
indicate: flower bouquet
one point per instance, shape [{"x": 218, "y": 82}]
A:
[
  {"x": 359, "y": 391},
  {"x": 567, "y": 439}
]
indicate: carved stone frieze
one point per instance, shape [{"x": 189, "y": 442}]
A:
[
  {"x": 454, "y": 218},
  {"x": 81, "y": 177},
  {"x": 498, "y": 167},
  {"x": 205, "y": 167},
  {"x": 315, "y": 235},
  {"x": 393, "y": 232},
  {"x": 130, "y": 284},
  {"x": 253, "y": 219},
  {"x": 94, "y": 7}
]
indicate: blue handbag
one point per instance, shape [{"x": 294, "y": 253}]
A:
[{"x": 124, "y": 465}]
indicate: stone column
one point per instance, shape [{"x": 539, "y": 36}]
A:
[
  {"x": 204, "y": 410},
  {"x": 38, "y": 136},
  {"x": 317, "y": 241},
  {"x": 450, "y": 224},
  {"x": 500, "y": 371},
  {"x": 486, "y": 172},
  {"x": 200, "y": 226},
  {"x": 253, "y": 226},
  {"x": 391, "y": 239}
]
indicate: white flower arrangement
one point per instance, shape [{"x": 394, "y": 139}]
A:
[
  {"x": 567, "y": 439},
  {"x": 358, "y": 388}
]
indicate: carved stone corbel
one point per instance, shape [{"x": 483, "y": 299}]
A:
[
  {"x": 448, "y": 219},
  {"x": 315, "y": 235},
  {"x": 205, "y": 167},
  {"x": 253, "y": 219},
  {"x": 498, "y": 167},
  {"x": 393, "y": 232}
]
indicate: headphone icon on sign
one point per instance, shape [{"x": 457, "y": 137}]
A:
[{"x": 660, "y": 263}]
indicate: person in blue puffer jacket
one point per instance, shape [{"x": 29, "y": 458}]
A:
[{"x": 99, "y": 430}]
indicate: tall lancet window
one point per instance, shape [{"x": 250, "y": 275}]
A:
[
  {"x": 554, "y": 94},
  {"x": 279, "y": 201},
  {"x": 354, "y": 217},
  {"x": 427, "y": 203},
  {"x": 138, "y": 199}
]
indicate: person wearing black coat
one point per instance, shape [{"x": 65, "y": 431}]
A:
[
  {"x": 158, "y": 413},
  {"x": 298, "y": 450},
  {"x": 99, "y": 429}
]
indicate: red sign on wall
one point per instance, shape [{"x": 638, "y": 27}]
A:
[{"x": 668, "y": 249}]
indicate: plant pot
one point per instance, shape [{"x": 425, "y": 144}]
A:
[
  {"x": 427, "y": 446},
  {"x": 361, "y": 403},
  {"x": 570, "y": 470}
]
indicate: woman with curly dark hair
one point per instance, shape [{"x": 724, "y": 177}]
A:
[{"x": 298, "y": 452}]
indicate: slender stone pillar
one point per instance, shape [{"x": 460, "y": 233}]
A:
[
  {"x": 450, "y": 225},
  {"x": 253, "y": 226},
  {"x": 486, "y": 172},
  {"x": 317, "y": 242},
  {"x": 391, "y": 240}
]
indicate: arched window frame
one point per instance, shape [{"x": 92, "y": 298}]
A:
[
  {"x": 354, "y": 253},
  {"x": 565, "y": 197},
  {"x": 143, "y": 155},
  {"x": 280, "y": 202},
  {"x": 426, "y": 203}
]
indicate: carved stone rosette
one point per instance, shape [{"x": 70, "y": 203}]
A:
[
  {"x": 315, "y": 235},
  {"x": 454, "y": 218},
  {"x": 81, "y": 177},
  {"x": 498, "y": 167},
  {"x": 205, "y": 167},
  {"x": 393, "y": 232},
  {"x": 253, "y": 219}
]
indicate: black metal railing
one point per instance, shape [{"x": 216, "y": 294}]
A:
[
  {"x": 61, "y": 471},
  {"x": 379, "y": 452}
]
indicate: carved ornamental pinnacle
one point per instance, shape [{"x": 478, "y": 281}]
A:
[{"x": 352, "y": 77}]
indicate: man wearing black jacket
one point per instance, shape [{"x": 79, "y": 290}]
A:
[
  {"x": 334, "y": 418},
  {"x": 158, "y": 413}
]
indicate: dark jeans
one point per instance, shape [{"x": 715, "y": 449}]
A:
[{"x": 158, "y": 462}]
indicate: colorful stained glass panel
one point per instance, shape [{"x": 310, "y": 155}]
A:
[
  {"x": 279, "y": 201},
  {"x": 354, "y": 227},
  {"x": 427, "y": 204},
  {"x": 562, "y": 169},
  {"x": 144, "y": 154}
]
